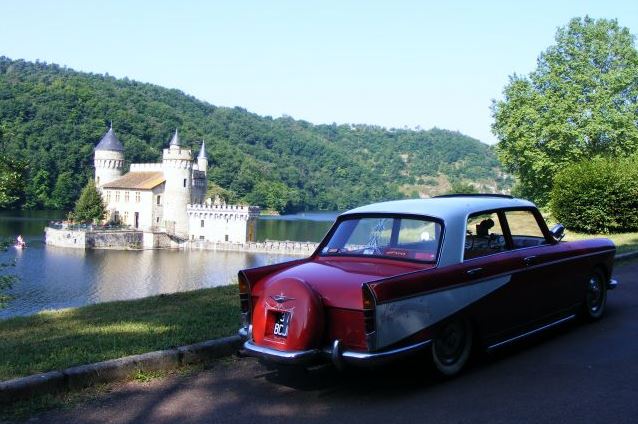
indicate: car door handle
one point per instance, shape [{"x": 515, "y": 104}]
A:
[
  {"x": 474, "y": 272},
  {"x": 529, "y": 260}
]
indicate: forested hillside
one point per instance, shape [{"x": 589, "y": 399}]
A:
[{"x": 51, "y": 118}]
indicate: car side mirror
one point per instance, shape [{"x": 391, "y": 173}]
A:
[{"x": 558, "y": 231}]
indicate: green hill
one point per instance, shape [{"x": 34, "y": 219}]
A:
[{"x": 51, "y": 117}]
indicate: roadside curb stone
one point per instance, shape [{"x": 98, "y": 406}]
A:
[
  {"x": 24, "y": 387},
  {"x": 625, "y": 256},
  {"x": 118, "y": 369},
  {"x": 210, "y": 349},
  {"x": 115, "y": 369}
]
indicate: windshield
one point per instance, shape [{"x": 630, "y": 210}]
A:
[{"x": 394, "y": 237}]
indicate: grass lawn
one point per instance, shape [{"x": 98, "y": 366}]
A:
[
  {"x": 59, "y": 339},
  {"x": 625, "y": 242}
]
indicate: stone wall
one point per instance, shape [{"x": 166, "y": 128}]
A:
[
  {"x": 282, "y": 247},
  {"x": 114, "y": 240},
  {"x": 83, "y": 239},
  {"x": 65, "y": 238}
]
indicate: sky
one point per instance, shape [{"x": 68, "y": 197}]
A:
[{"x": 416, "y": 64}]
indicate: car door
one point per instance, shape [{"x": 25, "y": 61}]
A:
[
  {"x": 489, "y": 259},
  {"x": 545, "y": 281}
]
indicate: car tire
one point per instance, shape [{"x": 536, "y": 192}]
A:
[
  {"x": 595, "y": 296},
  {"x": 452, "y": 346}
]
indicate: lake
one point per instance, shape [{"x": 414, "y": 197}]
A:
[{"x": 55, "y": 277}]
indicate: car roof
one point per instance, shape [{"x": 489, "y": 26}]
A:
[
  {"x": 445, "y": 207},
  {"x": 452, "y": 210}
]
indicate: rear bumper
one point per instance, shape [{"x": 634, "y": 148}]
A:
[{"x": 333, "y": 353}]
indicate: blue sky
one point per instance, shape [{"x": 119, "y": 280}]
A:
[{"x": 392, "y": 63}]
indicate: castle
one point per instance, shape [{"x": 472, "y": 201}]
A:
[{"x": 168, "y": 196}]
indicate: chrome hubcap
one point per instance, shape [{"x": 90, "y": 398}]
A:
[
  {"x": 450, "y": 343},
  {"x": 594, "y": 294}
]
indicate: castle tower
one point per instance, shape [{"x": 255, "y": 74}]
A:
[
  {"x": 177, "y": 163},
  {"x": 202, "y": 160},
  {"x": 108, "y": 158}
]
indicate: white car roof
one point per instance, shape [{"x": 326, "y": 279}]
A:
[{"x": 453, "y": 211}]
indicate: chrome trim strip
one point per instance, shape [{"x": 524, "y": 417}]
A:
[
  {"x": 377, "y": 358},
  {"x": 612, "y": 284},
  {"x": 529, "y": 333}
]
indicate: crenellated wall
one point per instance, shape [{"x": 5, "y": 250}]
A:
[
  {"x": 222, "y": 223},
  {"x": 146, "y": 167}
]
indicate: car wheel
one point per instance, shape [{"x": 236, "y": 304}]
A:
[
  {"x": 595, "y": 296},
  {"x": 452, "y": 346}
]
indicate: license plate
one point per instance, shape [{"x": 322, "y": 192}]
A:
[{"x": 280, "y": 327}]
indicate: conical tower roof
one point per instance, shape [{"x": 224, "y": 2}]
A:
[
  {"x": 110, "y": 142},
  {"x": 175, "y": 139},
  {"x": 202, "y": 151}
]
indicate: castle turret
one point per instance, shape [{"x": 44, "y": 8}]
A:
[
  {"x": 177, "y": 163},
  {"x": 108, "y": 158},
  {"x": 202, "y": 160}
]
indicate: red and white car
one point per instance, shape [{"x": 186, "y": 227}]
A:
[{"x": 444, "y": 275}]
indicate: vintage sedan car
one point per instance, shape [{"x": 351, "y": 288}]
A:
[{"x": 441, "y": 275}]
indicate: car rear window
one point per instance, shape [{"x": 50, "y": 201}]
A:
[{"x": 394, "y": 237}]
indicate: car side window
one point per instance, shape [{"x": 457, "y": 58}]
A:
[
  {"x": 483, "y": 236},
  {"x": 525, "y": 229}
]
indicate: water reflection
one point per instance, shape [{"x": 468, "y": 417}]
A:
[{"x": 55, "y": 277}]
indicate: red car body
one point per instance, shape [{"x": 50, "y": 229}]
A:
[{"x": 435, "y": 285}]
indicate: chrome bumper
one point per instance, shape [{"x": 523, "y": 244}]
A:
[
  {"x": 612, "y": 284},
  {"x": 334, "y": 353}
]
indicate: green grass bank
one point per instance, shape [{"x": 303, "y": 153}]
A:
[
  {"x": 625, "y": 242},
  {"x": 59, "y": 339}
]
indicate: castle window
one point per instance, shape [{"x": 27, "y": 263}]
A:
[
  {"x": 201, "y": 237},
  {"x": 157, "y": 220},
  {"x": 126, "y": 217},
  {"x": 137, "y": 197},
  {"x": 126, "y": 196},
  {"x": 201, "y": 224},
  {"x": 97, "y": 181},
  {"x": 117, "y": 196},
  {"x": 226, "y": 237},
  {"x": 185, "y": 182},
  {"x": 159, "y": 200},
  {"x": 108, "y": 196}
]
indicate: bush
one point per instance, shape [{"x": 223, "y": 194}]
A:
[{"x": 597, "y": 196}]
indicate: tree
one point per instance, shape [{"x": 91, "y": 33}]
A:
[
  {"x": 89, "y": 207},
  {"x": 580, "y": 102},
  {"x": 12, "y": 182},
  {"x": 6, "y": 280},
  {"x": 65, "y": 191},
  {"x": 459, "y": 187}
]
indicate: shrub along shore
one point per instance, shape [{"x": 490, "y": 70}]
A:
[{"x": 59, "y": 339}]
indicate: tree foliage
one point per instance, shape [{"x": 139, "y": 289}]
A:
[
  {"x": 6, "y": 279},
  {"x": 55, "y": 116},
  {"x": 459, "y": 187},
  {"x": 580, "y": 102},
  {"x": 13, "y": 176},
  {"x": 90, "y": 206},
  {"x": 598, "y": 196}
]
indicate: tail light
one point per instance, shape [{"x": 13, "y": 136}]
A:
[
  {"x": 369, "y": 305},
  {"x": 244, "y": 299}
]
